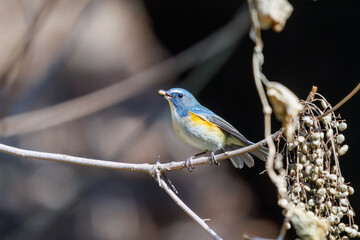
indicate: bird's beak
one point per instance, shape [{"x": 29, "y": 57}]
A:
[{"x": 165, "y": 94}]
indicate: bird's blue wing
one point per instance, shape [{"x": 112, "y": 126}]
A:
[
  {"x": 238, "y": 161},
  {"x": 208, "y": 115}
]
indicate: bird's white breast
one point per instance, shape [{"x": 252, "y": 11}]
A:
[{"x": 201, "y": 136}]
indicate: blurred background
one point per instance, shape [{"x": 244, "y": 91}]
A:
[{"x": 55, "y": 54}]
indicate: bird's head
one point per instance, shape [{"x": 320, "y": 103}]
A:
[{"x": 179, "y": 99}]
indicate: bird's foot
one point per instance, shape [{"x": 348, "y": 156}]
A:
[
  {"x": 188, "y": 164},
  {"x": 213, "y": 160}
]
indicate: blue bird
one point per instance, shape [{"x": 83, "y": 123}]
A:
[{"x": 199, "y": 127}]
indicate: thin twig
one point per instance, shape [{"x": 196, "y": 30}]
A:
[
  {"x": 311, "y": 95},
  {"x": 350, "y": 95},
  {"x": 187, "y": 210}
]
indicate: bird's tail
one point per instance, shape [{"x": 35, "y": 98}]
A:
[{"x": 238, "y": 161}]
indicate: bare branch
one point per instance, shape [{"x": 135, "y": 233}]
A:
[
  {"x": 311, "y": 95},
  {"x": 72, "y": 159},
  {"x": 142, "y": 167},
  {"x": 350, "y": 95},
  {"x": 187, "y": 210}
]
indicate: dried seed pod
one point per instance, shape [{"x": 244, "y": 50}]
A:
[
  {"x": 329, "y": 133},
  {"x": 343, "y": 209},
  {"x": 333, "y": 184},
  {"x": 342, "y": 151},
  {"x": 307, "y": 163},
  {"x": 326, "y": 174},
  {"x": 307, "y": 188},
  {"x": 340, "y": 138},
  {"x": 341, "y": 180},
  {"x": 331, "y": 218},
  {"x": 296, "y": 190},
  {"x": 314, "y": 176},
  {"x": 320, "y": 153},
  {"x": 301, "y": 139},
  {"x": 348, "y": 229},
  {"x": 341, "y": 227},
  {"x": 309, "y": 170},
  {"x": 320, "y": 182},
  {"x": 315, "y": 143},
  {"x": 342, "y": 126},
  {"x": 326, "y": 119},
  {"x": 287, "y": 225},
  {"x": 334, "y": 209},
  {"x": 299, "y": 166},
  {"x": 320, "y": 189},
  {"x": 333, "y": 177},
  {"x": 320, "y": 199},
  {"x": 303, "y": 159},
  {"x": 324, "y": 104},
  {"x": 322, "y": 207},
  {"x": 305, "y": 149},
  {"x": 292, "y": 146},
  {"x": 319, "y": 161},
  {"x": 342, "y": 187},
  {"x": 315, "y": 136},
  {"x": 353, "y": 233},
  {"x": 343, "y": 202},
  {"x": 334, "y": 124},
  {"x": 351, "y": 213},
  {"x": 344, "y": 194},
  {"x": 306, "y": 119},
  {"x": 351, "y": 190},
  {"x": 310, "y": 123},
  {"x": 331, "y": 191}
]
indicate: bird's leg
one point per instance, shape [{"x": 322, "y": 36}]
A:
[
  {"x": 188, "y": 162},
  {"x": 212, "y": 159}
]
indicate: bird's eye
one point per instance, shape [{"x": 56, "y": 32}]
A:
[{"x": 180, "y": 95}]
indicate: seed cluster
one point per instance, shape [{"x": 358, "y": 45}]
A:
[{"x": 315, "y": 183}]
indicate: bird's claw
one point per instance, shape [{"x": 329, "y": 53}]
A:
[
  {"x": 213, "y": 160},
  {"x": 188, "y": 164}
]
